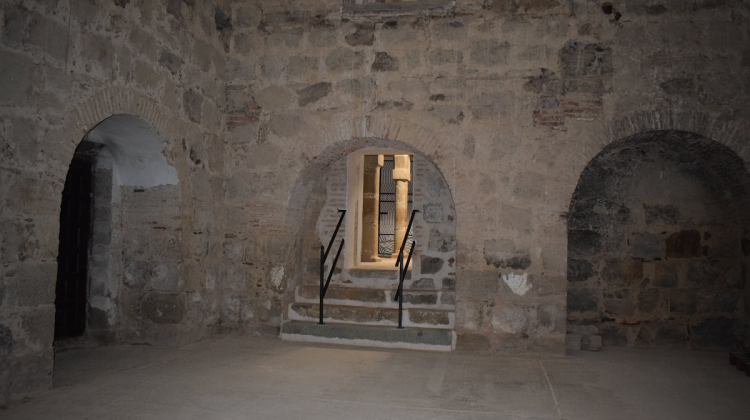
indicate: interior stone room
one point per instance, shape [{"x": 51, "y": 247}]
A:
[{"x": 546, "y": 187}]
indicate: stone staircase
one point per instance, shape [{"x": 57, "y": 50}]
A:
[{"x": 360, "y": 309}]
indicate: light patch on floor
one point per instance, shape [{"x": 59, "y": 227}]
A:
[{"x": 246, "y": 377}]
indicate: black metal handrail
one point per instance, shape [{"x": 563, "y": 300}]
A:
[
  {"x": 403, "y": 268},
  {"x": 323, "y": 257}
]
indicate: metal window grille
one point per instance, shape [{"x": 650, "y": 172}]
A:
[{"x": 387, "y": 205}]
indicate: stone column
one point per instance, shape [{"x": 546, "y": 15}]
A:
[
  {"x": 402, "y": 177},
  {"x": 370, "y": 207}
]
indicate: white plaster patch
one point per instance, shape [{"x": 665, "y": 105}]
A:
[
  {"x": 518, "y": 283},
  {"x": 277, "y": 275}
]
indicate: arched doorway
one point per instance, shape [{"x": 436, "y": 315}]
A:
[
  {"x": 360, "y": 305},
  {"x": 117, "y": 177},
  {"x": 658, "y": 243}
]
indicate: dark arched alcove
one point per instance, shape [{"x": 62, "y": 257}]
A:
[{"x": 658, "y": 241}]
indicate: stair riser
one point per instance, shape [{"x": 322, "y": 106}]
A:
[
  {"x": 370, "y": 336},
  {"x": 377, "y": 298},
  {"x": 373, "y": 316},
  {"x": 364, "y": 343}
]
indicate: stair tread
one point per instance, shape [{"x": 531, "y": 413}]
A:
[
  {"x": 343, "y": 333},
  {"x": 390, "y": 308},
  {"x": 390, "y": 289}
]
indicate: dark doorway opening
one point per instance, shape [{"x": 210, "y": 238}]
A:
[{"x": 73, "y": 252}]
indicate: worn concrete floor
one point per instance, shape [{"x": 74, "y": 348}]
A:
[{"x": 232, "y": 377}]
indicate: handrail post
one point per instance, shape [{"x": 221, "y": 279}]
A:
[
  {"x": 323, "y": 257},
  {"x": 322, "y": 295},
  {"x": 406, "y": 235},
  {"x": 400, "y": 292}
]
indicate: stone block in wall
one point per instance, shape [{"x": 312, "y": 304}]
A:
[
  {"x": 39, "y": 325},
  {"x": 433, "y": 213},
  {"x": 45, "y": 33},
  {"x": 6, "y": 342},
  {"x": 35, "y": 283},
  {"x": 622, "y": 272},
  {"x": 449, "y": 283},
  {"x": 591, "y": 342},
  {"x": 344, "y": 59},
  {"x": 171, "y": 62},
  {"x": 15, "y": 79},
  {"x": 646, "y": 246},
  {"x": 579, "y": 270},
  {"x": 448, "y": 298},
  {"x": 662, "y": 214},
  {"x": 503, "y": 253},
  {"x": 360, "y": 34},
  {"x": 472, "y": 342},
  {"x": 726, "y": 301},
  {"x": 704, "y": 273},
  {"x": 425, "y": 283},
  {"x": 163, "y": 308},
  {"x": 584, "y": 243},
  {"x": 648, "y": 300},
  {"x": 384, "y": 62},
  {"x": 100, "y": 49},
  {"x": 491, "y": 105},
  {"x": 614, "y": 335},
  {"x": 31, "y": 372},
  {"x": 683, "y": 301},
  {"x": 665, "y": 275},
  {"x": 360, "y": 88},
  {"x": 478, "y": 283},
  {"x": 669, "y": 334},
  {"x": 274, "y": 97},
  {"x": 573, "y": 342},
  {"x": 713, "y": 333},
  {"x": 313, "y": 93},
  {"x": 579, "y": 59},
  {"x": 192, "y": 103},
  {"x": 165, "y": 277},
  {"x": 619, "y": 303},
  {"x": 490, "y": 52},
  {"x": 419, "y": 316},
  {"x": 441, "y": 242},
  {"x": 684, "y": 244},
  {"x": 582, "y": 300},
  {"x": 430, "y": 265},
  {"x": 301, "y": 66}
]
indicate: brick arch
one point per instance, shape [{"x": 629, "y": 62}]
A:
[
  {"x": 82, "y": 117},
  {"x": 730, "y": 133},
  {"x": 346, "y": 137},
  {"x": 592, "y": 140},
  {"x": 356, "y": 133}
]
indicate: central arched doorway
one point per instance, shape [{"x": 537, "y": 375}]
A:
[{"x": 360, "y": 306}]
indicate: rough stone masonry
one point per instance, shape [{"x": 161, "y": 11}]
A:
[{"x": 510, "y": 100}]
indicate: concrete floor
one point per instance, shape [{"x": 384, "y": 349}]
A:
[{"x": 232, "y": 377}]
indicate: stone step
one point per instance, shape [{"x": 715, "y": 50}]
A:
[
  {"x": 362, "y": 315},
  {"x": 376, "y": 279},
  {"x": 361, "y": 296},
  {"x": 415, "y": 338}
]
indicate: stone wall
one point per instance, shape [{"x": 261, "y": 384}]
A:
[
  {"x": 64, "y": 68},
  {"x": 655, "y": 244},
  {"x": 254, "y": 100}
]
